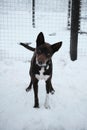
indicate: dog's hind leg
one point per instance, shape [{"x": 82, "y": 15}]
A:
[{"x": 29, "y": 87}]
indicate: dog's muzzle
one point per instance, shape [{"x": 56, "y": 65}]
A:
[
  {"x": 40, "y": 63},
  {"x": 41, "y": 60}
]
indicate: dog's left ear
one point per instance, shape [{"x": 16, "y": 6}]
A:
[
  {"x": 40, "y": 39},
  {"x": 56, "y": 46}
]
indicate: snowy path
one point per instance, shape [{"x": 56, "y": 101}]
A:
[{"x": 68, "y": 104}]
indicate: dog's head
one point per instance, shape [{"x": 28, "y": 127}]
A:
[{"x": 44, "y": 51}]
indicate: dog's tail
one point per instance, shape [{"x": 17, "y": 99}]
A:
[
  {"x": 29, "y": 87},
  {"x": 26, "y": 45}
]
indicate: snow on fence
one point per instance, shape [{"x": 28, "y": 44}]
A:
[{"x": 49, "y": 16}]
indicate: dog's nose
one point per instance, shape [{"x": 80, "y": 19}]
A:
[{"x": 40, "y": 62}]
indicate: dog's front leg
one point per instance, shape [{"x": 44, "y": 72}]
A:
[
  {"x": 48, "y": 85},
  {"x": 35, "y": 87}
]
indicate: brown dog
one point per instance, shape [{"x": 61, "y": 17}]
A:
[{"x": 41, "y": 67}]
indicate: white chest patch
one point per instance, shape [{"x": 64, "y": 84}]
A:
[{"x": 41, "y": 76}]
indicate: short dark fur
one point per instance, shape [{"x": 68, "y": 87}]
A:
[{"x": 41, "y": 58}]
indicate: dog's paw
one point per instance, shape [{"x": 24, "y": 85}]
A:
[
  {"x": 28, "y": 89},
  {"x": 47, "y": 106},
  {"x": 36, "y": 106},
  {"x": 52, "y": 92}
]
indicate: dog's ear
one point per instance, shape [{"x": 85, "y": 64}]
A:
[
  {"x": 26, "y": 45},
  {"x": 56, "y": 46},
  {"x": 40, "y": 39}
]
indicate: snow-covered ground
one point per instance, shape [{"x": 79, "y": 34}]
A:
[{"x": 69, "y": 103}]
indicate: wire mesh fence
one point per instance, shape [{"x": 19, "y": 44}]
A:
[
  {"x": 83, "y": 16},
  {"x": 50, "y": 17},
  {"x": 15, "y": 19},
  {"x": 16, "y": 23},
  {"x": 82, "y": 37},
  {"x": 82, "y": 46}
]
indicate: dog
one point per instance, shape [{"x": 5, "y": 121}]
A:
[{"x": 41, "y": 67}]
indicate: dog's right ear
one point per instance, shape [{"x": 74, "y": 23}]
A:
[
  {"x": 40, "y": 39},
  {"x": 26, "y": 45}
]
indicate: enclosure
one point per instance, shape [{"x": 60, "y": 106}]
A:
[
  {"x": 52, "y": 18},
  {"x": 22, "y": 21}
]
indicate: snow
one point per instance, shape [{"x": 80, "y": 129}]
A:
[{"x": 68, "y": 106}]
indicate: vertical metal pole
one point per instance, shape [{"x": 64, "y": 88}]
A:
[
  {"x": 33, "y": 13},
  {"x": 75, "y": 14},
  {"x": 69, "y": 15}
]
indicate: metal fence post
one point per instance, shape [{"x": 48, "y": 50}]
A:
[
  {"x": 69, "y": 15},
  {"x": 33, "y": 13},
  {"x": 75, "y": 15}
]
